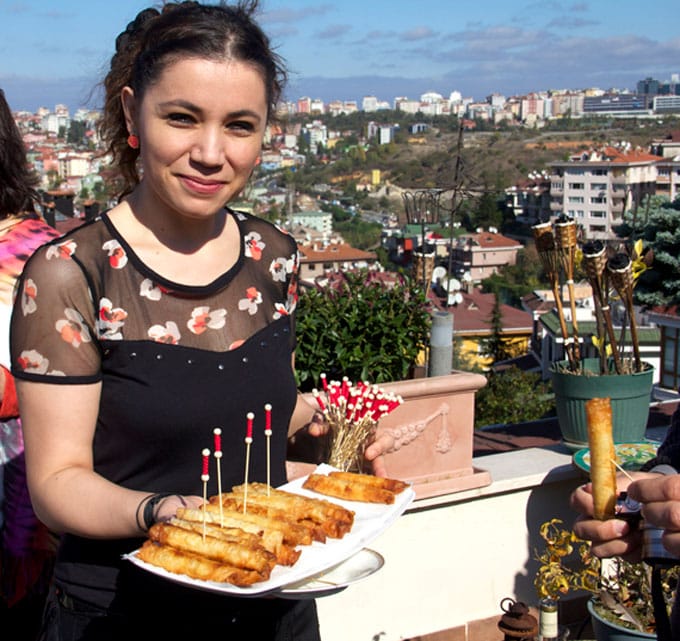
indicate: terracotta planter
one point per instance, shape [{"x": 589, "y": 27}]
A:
[
  {"x": 607, "y": 631},
  {"x": 433, "y": 432},
  {"x": 630, "y": 396}
]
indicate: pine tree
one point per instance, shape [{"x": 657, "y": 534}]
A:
[{"x": 657, "y": 223}]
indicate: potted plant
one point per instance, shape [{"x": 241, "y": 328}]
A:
[
  {"x": 363, "y": 325},
  {"x": 621, "y": 603},
  {"x": 622, "y": 375}
]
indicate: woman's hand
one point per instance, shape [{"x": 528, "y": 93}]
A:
[{"x": 376, "y": 450}]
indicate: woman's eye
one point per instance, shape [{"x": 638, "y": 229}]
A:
[
  {"x": 180, "y": 118},
  {"x": 242, "y": 126}
]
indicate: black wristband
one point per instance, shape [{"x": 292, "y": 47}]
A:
[{"x": 149, "y": 514}]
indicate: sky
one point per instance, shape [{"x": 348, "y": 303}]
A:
[{"x": 56, "y": 52}]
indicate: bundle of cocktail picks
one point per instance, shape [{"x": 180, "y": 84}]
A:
[{"x": 352, "y": 412}]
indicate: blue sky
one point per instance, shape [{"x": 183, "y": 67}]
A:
[{"x": 54, "y": 52}]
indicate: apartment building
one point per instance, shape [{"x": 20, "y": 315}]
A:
[{"x": 595, "y": 188}]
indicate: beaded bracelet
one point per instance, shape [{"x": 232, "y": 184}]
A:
[{"x": 149, "y": 516}]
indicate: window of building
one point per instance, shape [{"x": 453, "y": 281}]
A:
[
  {"x": 600, "y": 172},
  {"x": 576, "y": 185},
  {"x": 598, "y": 200},
  {"x": 576, "y": 199},
  {"x": 598, "y": 186},
  {"x": 598, "y": 213},
  {"x": 598, "y": 229}
]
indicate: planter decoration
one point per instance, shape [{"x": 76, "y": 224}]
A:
[
  {"x": 621, "y": 606},
  {"x": 623, "y": 377}
]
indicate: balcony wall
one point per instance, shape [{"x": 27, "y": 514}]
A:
[
  {"x": 451, "y": 559},
  {"x": 459, "y": 551}
]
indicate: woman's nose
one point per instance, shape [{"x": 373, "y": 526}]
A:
[{"x": 208, "y": 148}]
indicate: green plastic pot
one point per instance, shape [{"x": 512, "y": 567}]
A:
[{"x": 630, "y": 396}]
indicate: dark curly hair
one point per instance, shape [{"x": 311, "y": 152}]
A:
[
  {"x": 159, "y": 37},
  {"x": 17, "y": 182}
]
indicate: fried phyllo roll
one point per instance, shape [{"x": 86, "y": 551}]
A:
[
  {"x": 393, "y": 485},
  {"x": 196, "y": 566},
  {"x": 348, "y": 490},
  {"x": 299, "y": 507},
  {"x": 272, "y": 540},
  {"x": 226, "y": 552},
  {"x": 293, "y": 534},
  {"x": 259, "y": 505},
  {"x": 602, "y": 457}
]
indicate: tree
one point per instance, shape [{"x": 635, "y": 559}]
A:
[
  {"x": 512, "y": 396},
  {"x": 657, "y": 223},
  {"x": 494, "y": 346}
]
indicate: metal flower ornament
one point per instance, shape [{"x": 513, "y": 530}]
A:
[{"x": 612, "y": 274}]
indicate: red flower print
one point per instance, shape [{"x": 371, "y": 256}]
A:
[
  {"x": 117, "y": 256},
  {"x": 254, "y": 245},
  {"x": 203, "y": 319},
  {"x": 72, "y": 329}
]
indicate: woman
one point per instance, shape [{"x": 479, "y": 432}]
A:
[
  {"x": 27, "y": 548},
  {"x": 139, "y": 333}
]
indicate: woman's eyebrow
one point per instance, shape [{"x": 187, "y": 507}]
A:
[{"x": 190, "y": 106}]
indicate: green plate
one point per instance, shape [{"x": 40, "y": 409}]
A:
[{"x": 630, "y": 456}]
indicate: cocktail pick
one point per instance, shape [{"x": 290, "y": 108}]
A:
[
  {"x": 249, "y": 440},
  {"x": 205, "y": 477},
  {"x": 217, "y": 432},
  {"x": 268, "y": 434}
]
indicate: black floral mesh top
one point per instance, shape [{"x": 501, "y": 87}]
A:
[{"x": 175, "y": 362}]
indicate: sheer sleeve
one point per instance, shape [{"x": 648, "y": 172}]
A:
[{"x": 52, "y": 333}]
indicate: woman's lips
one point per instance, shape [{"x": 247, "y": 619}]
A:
[{"x": 201, "y": 186}]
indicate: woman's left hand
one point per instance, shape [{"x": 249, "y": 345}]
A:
[{"x": 375, "y": 452}]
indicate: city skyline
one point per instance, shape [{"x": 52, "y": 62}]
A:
[{"x": 51, "y": 55}]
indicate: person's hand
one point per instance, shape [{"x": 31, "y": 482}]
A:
[
  {"x": 318, "y": 426},
  {"x": 167, "y": 507},
  {"x": 612, "y": 537},
  {"x": 660, "y": 499},
  {"x": 376, "y": 450}
]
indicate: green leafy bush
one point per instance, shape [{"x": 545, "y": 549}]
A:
[
  {"x": 512, "y": 396},
  {"x": 361, "y": 328}
]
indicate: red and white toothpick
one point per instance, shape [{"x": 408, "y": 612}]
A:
[
  {"x": 217, "y": 432},
  {"x": 249, "y": 439},
  {"x": 205, "y": 477},
  {"x": 268, "y": 434}
]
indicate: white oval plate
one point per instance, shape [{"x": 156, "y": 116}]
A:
[
  {"x": 370, "y": 521},
  {"x": 364, "y": 563}
]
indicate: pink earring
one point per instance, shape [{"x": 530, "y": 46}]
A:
[{"x": 133, "y": 141}]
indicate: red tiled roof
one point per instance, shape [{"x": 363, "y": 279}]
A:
[
  {"x": 333, "y": 252},
  {"x": 489, "y": 240},
  {"x": 614, "y": 155},
  {"x": 473, "y": 315}
]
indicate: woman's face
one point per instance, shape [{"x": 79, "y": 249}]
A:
[{"x": 200, "y": 128}]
